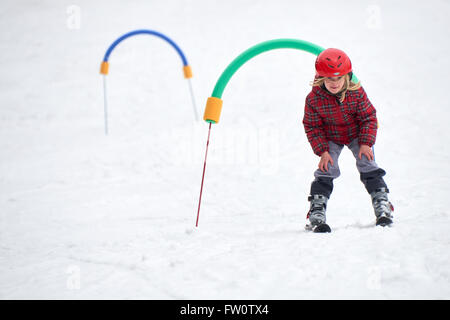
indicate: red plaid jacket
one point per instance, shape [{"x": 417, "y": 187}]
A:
[{"x": 327, "y": 119}]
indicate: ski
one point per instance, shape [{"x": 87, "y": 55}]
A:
[
  {"x": 384, "y": 221},
  {"x": 320, "y": 228}
]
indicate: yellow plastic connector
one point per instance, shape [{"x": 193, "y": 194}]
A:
[
  {"x": 213, "y": 109},
  {"x": 104, "y": 68},
  {"x": 187, "y": 72}
]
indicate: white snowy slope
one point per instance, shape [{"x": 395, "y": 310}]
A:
[{"x": 89, "y": 216}]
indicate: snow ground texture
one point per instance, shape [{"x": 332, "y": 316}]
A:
[{"x": 89, "y": 216}]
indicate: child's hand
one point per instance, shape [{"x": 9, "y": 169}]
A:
[
  {"x": 365, "y": 150},
  {"x": 324, "y": 159}
]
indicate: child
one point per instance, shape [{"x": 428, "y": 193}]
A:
[{"x": 337, "y": 113}]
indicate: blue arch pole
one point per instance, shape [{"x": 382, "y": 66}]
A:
[
  {"x": 144, "y": 31},
  {"x": 105, "y": 65}
]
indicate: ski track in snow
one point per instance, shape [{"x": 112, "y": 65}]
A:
[{"x": 89, "y": 216}]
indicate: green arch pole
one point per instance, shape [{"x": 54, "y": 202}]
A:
[
  {"x": 214, "y": 104},
  {"x": 256, "y": 50}
]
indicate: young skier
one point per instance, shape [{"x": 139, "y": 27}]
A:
[{"x": 337, "y": 113}]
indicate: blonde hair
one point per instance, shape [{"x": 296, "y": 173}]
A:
[{"x": 348, "y": 85}]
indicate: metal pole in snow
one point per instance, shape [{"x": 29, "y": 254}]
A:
[
  {"x": 203, "y": 175},
  {"x": 193, "y": 99},
  {"x": 105, "y": 104}
]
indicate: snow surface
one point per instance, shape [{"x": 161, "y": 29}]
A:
[{"x": 84, "y": 215}]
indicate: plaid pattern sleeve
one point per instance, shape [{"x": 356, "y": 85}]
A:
[
  {"x": 314, "y": 129},
  {"x": 367, "y": 118}
]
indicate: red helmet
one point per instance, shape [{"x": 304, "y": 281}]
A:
[{"x": 333, "y": 63}]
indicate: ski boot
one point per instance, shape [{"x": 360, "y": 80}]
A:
[
  {"x": 316, "y": 214},
  {"x": 382, "y": 206}
]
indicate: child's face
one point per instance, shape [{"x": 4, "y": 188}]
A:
[{"x": 334, "y": 84}]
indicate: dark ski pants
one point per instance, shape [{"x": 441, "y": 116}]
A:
[{"x": 371, "y": 175}]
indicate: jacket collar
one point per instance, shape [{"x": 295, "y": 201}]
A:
[{"x": 323, "y": 91}]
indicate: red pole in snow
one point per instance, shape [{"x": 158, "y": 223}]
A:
[{"x": 203, "y": 176}]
